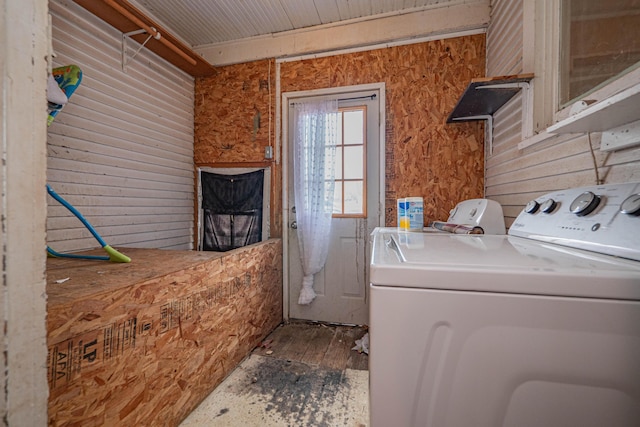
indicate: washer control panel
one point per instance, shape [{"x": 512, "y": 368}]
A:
[{"x": 602, "y": 218}]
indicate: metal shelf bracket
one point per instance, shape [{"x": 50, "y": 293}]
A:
[{"x": 488, "y": 129}]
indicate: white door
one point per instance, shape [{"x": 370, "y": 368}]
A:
[{"x": 342, "y": 286}]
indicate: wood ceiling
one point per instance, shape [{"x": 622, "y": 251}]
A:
[{"x": 204, "y": 22}]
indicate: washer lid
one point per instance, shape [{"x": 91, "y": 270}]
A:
[{"x": 505, "y": 264}]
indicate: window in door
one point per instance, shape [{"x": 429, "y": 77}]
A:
[{"x": 350, "y": 195}]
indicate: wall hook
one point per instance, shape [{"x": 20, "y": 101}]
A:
[{"x": 125, "y": 36}]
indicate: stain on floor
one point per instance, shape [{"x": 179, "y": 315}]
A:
[
  {"x": 265, "y": 391},
  {"x": 303, "y": 375}
]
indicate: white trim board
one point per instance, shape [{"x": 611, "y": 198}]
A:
[{"x": 405, "y": 42}]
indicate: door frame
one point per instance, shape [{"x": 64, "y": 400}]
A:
[{"x": 379, "y": 88}]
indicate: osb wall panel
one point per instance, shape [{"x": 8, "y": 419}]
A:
[
  {"x": 232, "y": 113},
  {"x": 425, "y": 157},
  {"x": 234, "y": 122},
  {"x": 141, "y": 344}
]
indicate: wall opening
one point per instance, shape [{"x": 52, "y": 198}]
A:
[{"x": 233, "y": 207}]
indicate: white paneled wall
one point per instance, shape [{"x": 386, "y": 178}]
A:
[
  {"x": 504, "y": 57},
  {"x": 121, "y": 151},
  {"x": 514, "y": 176},
  {"x": 504, "y": 38}
]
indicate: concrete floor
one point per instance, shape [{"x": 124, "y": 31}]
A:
[{"x": 272, "y": 389}]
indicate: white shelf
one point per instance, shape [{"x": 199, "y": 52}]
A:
[
  {"x": 611, "y": 113},
  {"x": 484, "y": 96}
]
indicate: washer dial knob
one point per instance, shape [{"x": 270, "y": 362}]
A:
[
  {"x": 532, "y": 207},
  {"x": 584, "y": 204},
  {"x": 548, "y": 206},
  {"x": 631, "y": 205}
]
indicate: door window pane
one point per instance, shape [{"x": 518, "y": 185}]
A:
[
  {"x": 337, "y": 198},
  {"x": 353, "y": 197},
  {"x": 353, "y": 127},
  {"x": 339, "y": 163},
  {"x": 353, "y": 162}
]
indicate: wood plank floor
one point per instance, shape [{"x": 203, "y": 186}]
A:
[{"x": 324, "y": 345}]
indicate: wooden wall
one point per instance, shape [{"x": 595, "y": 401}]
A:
[
  {"x": 121, "y": 151},
  {"x": 424, "y": 156},
  {"x": 141, "y": 344},
  {"x": 514, "y": 176}
]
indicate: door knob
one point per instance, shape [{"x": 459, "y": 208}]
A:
[{"x": 294, "y": 225}]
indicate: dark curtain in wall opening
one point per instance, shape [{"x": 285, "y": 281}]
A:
[{"x": 232, "y": 207}]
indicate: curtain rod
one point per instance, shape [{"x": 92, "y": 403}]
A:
[
  {"x": 355, "y": 98},
  {"x": 358, "y": 97}
]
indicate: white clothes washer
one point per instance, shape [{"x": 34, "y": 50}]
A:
[{"x": 540, "y": 327}]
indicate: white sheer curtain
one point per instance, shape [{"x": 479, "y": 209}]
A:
[{"x": 315, "y": 136}]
